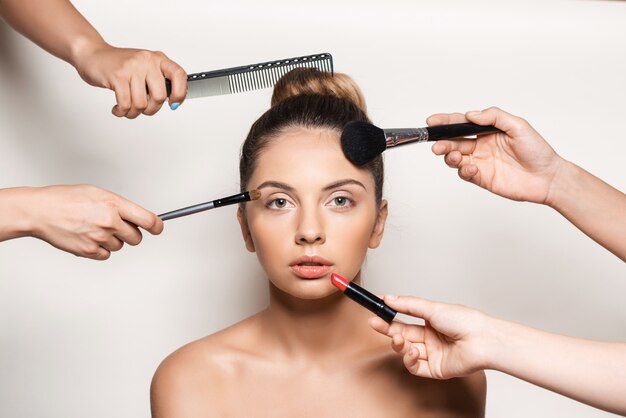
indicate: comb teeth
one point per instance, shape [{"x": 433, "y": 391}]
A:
[
  {"x": 250, "y": 77},
  {"x": 265, "y": 75}
]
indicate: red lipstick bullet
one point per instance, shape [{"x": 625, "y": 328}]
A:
[{"x": 363, "y": 297}]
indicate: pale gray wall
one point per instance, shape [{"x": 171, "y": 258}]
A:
[{"x": 79, "y": 338}]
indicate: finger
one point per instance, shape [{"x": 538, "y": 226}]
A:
[
  {"x": 411, "y": 305},
  {"x": 399, "y": 344},
  {"x": 122, "y": 97},
  {"x": 139, "y": 216},
  {"x": 402, "y": 346},
  {"x": 112, "y": 244},
  {"x": 128, "y": 233},
  {"x": 512, "y": 125},
  {"x": 414, "y": 350},
  {"x": 453, "y": 159},
  {"x": 470, "y": 173},
  {"x": 95, "y": 252},
  {"x": 420, "y": 368},
  {"x": 390, "y": 329},
  {"x": 412, "y": 332},
  {"x": 178, "y": 80},
  {"x": 411, "y": 360},
  {"x": 464, "y": 146},
  {"x": 379, "y": 325},
  {"x": 457, "y": 160},
  {"x": 156, "y": 92},
  {"x": 139, "y": 99},
  {"x": 445, "y": 119}
]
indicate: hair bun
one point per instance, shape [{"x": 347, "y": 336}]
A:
[{"x": 309, "y": 81}]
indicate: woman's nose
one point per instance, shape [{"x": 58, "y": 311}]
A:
[{"x": 310, "y": 228}]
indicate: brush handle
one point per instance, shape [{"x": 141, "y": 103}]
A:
[
  {"x": 187, "y": 211},
  {"x": 190, "y": 210},
  {"x": 458, "y": 130}
]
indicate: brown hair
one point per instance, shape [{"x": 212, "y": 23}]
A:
[{"x": 309, "y": 98}]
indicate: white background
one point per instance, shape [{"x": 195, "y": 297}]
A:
[{"x": 80, "y": 338}]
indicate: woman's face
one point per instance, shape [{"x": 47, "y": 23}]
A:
[{"x": 317, "y": 213}]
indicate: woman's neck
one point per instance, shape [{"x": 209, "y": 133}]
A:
[{"x": 300, "y": 328}]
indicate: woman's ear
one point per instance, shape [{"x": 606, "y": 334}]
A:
[
  {"x": 379, "y": 227},
  {"x": 245, "y": 231}
]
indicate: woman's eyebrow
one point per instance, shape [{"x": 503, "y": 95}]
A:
[
  {"x": 343, "y": 183},
  {"x": 276, "y": 184}
]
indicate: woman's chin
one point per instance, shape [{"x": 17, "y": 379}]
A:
[{"x": 308, "y": 289}]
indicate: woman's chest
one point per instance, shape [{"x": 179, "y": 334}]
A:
[{"x": 285, "y": 392}]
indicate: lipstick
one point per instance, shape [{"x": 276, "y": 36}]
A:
[{"x": 363, "y": 297}]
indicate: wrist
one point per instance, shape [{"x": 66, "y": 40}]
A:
[
  {"x": 16, "y": 212},
  {"x": 493, "y": 344},
  {"x": 84, "y": 46},
  {"x": 562, "y": 182}
]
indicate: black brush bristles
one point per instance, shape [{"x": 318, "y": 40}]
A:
[{"x": 362, "y": 142}]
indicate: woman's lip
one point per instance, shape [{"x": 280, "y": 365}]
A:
[
  {"x": 310, "y": 272},
  {"x": 311, "y": 259}
]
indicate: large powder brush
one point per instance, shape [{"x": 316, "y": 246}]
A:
[{"x": 362, "y": 142}]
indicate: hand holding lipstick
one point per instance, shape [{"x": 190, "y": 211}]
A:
[
  {"x": 446, "y": 346},
  {"x": 456, "y": 341}
]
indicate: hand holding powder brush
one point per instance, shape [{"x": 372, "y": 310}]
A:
[{"x": 362, "y": 142}]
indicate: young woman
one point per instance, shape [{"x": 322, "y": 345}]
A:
[{"x": 311, "y": 352}]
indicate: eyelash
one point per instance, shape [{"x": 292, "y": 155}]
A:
[
  {"x": 349, "y": 202},
  {"x": 271, "y": 203}
]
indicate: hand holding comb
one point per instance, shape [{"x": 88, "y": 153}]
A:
[{"x": 250, "y": 77}]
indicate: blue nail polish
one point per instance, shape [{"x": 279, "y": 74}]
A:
[{"x": 174, "y": 106}]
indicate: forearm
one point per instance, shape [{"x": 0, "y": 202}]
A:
[
  {"x": 591, "y": 372},
  {"x": 15, "y": 219},
  {"x": 54, "y": 25},
  {"x": 592, "y": 205}
]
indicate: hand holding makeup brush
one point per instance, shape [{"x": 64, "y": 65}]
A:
[
  {"x": 83, "y": 220},
  {"x": 519, "y": 164},
  {"x": 456, "y": 341}
]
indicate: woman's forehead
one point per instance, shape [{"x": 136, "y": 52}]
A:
[{"x": 311, "y": 156}]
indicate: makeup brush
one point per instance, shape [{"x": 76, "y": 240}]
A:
[
  {"x": 230, "y": 200},
  {"x": 362, "y": 142}
]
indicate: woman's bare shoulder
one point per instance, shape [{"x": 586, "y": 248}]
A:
[
  {"x": 189, "y": 380},
  {"x": 459, "y": 397}
]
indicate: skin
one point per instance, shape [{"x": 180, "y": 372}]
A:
[
  {"x": 520, "y": 165},
  {"x": 126, "y": 71},
  {"x": 457, "y": 341},
  {"x": 310, "y": 352},
  {"x": 83, "y": 220}
]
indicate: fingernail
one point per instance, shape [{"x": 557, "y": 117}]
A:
[
  {"x": 174, "y": 106},
  {"x": 473, "y": 112},
  {"x": 391, "y": 297}
]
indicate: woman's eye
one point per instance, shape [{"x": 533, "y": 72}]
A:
[
  {"x": 341, "y": 201},
  {"x": 279, "y": 203}
]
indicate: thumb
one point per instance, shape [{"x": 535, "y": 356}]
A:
[{"x": 511, "y": 125}]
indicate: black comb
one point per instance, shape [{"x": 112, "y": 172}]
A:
[{"x": 250, "y": 77}]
